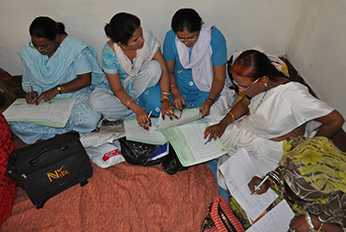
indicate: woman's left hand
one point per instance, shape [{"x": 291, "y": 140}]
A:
[
  {"x": 47, "y": 95},
  {"x": 205, "y": 108},
  {"x": 167, "y": 109},
  {"x": 299, "y": 224}
]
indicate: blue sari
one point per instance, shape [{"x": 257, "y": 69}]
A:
[{"x": 42, "y": 73}]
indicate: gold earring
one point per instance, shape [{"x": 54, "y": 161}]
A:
[{"x": 265, "y": 84}]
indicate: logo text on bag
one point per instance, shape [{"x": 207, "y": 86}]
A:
[{"x": 57, "y": 174}]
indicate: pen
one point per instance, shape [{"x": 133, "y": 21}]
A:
[
  {"x": 208, "y": 140},
  {"x": 150, "y": 114},
  {"x": 260, "y": 184},
  {"x": 32, "y": 91}
]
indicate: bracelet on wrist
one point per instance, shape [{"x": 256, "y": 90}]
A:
[
  {"x": 232, "y": 116},
  {"x": 128, "y": 102},
  {"x": 309, "y": 222},
  {"x": 164, "y": 98},
  {"x": 165, "y": 93}
]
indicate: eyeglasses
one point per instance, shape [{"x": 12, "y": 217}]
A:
[{"x": 245, "y": 88}]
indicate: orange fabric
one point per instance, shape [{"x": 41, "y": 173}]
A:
[{"x": 123, "y": 198}]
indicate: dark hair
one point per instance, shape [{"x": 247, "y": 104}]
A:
[
  {"x": 186, "y": 19},
  {"x": 46, "y": 27},
  {"x": 121, "y": 27},
  {"x": 258, "y": 64}
]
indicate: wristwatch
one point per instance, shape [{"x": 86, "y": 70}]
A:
[{"x": 59, "y": 88}]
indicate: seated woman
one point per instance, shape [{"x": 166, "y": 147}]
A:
[
  {"x": 196, "y": 56},
  {"x": 57, "y": 65},
  {"x": 311, "y": 177},
  {"x": 273, "y": 110},
  {"x": 136, "y": 73}
]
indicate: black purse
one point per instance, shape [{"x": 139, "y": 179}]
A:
[{"x": 137, "y": 153}]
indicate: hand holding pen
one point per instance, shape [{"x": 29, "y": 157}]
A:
[
  {"x": 259, "y": 185},
  {"x": 31, "y": 97}
]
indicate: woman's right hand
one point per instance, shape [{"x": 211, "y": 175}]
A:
[
  {"x": 214, "y": 131},
  {"x": 255, "y": 181},
  {"x": 31, "y": 97},
  {"x": 143, "y": 119},
  {"x": 178, "y": 99}
]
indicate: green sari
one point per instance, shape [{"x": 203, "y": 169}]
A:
[{"x": 312, "y": 177}]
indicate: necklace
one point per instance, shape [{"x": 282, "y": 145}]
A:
[{"x": 260, "y": 102}]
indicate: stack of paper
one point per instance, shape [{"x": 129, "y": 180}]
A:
[
  {"x": 189, "y": 143},
  {"x": 238, "y": 170},
  {"x": 54, "y": 113}
]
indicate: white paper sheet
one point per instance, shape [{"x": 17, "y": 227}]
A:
[
  {"x": 54, "y": 113},
  {"x": 276, "y": 220},
  {"x": 138, "y": 134},
  {"x": 189, "y": 144},
  {"x": 186, "y": 116},
  {"x": 238, "y": 171}
]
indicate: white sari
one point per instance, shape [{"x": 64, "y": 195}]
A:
[{"x": 272, "y": 114}]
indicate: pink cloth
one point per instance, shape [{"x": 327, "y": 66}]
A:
[{"x": 122, "y": 198}]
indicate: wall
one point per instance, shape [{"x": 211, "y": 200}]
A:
[
  {"x": 318, "y": 49},
  {"x": 245, "y": 23}
]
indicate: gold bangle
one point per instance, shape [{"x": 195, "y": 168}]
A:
[
  {"x": 128, "y": 102},
  {"x": 164, "y": 97},
  {"x": 212, "y": 100},
  {"x": 232, "y": 116}
]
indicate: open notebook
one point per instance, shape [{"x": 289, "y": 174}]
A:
[
  {"x": 185, "y": 116},
  {"x": 136, "y": 133},
  {"x": 238, "y": 171},
  {"x": 54, "y": 113},
  {"x": 189, "y": 143}
]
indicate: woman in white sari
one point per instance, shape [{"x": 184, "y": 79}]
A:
[
  {"x": 273, "y": 109},
  {"x": 136, "y": 73}
]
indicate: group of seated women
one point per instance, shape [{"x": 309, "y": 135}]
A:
[{"x": 135, "y": 77}]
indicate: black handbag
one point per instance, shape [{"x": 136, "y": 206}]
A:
[
  {"x": 137, "y": 153},
  {"x": 47, "y": 168}
]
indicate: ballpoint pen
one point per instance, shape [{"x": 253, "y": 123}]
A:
[
  {"x": 208, "y": 140},
  {"x": 260, "y": 184}
]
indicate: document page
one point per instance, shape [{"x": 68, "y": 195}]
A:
[
  {"x": 238, "y": 170},
  {"x": 54, "y": 113},
  {"x": 136, "y": 133},
  {"x": 186, "y": 116},
  {"x": 189, "y": 144},
  {"x": 276, "y": 220}
]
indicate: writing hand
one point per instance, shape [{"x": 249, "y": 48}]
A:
[
  {"x": 31, "y": 97},
  {"x": 47, "y": 95}
]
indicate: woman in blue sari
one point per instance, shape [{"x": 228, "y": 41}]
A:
[
  {"x": 57, "y": 65},
  {"x": 138, "y": 81}
]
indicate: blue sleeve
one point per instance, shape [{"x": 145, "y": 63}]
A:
[
  {"x": 219, "y": 48},
  {"x": 109, "y": 61},
  {"x": 169, "y": 48},
  {"x": 82, "y": 64}
]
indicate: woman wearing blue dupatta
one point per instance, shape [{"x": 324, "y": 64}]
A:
[{"x": 57, "y": 65}]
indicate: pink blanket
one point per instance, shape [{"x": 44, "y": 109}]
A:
[{"x": 122, "y": 198}]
